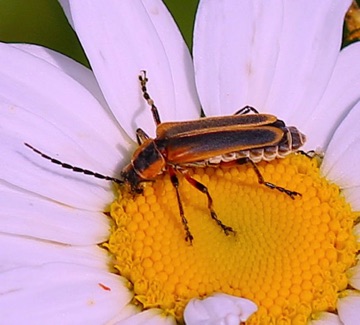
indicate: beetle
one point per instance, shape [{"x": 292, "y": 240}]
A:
[{"x": 245, "y": 137}]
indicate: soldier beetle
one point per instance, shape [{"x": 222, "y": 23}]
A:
[{"x": 245, "y": 137}]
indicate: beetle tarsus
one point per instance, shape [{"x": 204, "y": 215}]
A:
[
  {"x": 290, "y": 193},
  {"x": 227, "y": 230},
  {"x": 189, "y": 237}
]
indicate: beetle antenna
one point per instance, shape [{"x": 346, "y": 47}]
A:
[
  {"x": 143, "y": 81},
  {"x": 74, "y": 168}
]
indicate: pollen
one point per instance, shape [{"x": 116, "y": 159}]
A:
[{"x": 289, "y": 256}]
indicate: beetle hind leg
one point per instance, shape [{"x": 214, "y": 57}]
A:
[{"x": 261, "y": 180}]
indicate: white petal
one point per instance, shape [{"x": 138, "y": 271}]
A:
[
  {"x": 125, "y": 313},
  {"x": 306, "y": 58},
  {"x": 218, "y": 309},
  {"x": 66, "y": 7},
  {"x": 41, "y": 88},
  {"x": 61, "y": 294},
  {"x": 24, "y": 252},
  {"x": 356, "y": 231},
  {"x": 339, "y": 98},
  {"x": 326, "y": 319},
  {"x": 340, "y": 163},
  {"x": 42, "y": 105},
  {"x": 31, "y": 216},
  {"x": 354, "y": 276},
  {"x": 180, "y": 61},
  {"x": 349, "y": 308},
  {"x": 234, "y": 43},
  {"x": 125, "y": 37},
  {"x": 25, "y": 169},
  {"x": 73, "y": 69},
  {"x": 148, "y": 317},
  {"x": 266, "y": 54}
]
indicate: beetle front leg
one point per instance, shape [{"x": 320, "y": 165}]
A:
[
  {"x": 202, "y": 188},
  {"x": 175, "y": 182},
  {"x": 141, "y": 136},
  {"x": 143, "y": 81}
]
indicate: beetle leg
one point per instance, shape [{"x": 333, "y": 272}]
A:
[
  {"x": 202, "y": 188},
  {"x": 141, "y": 136},
  {"x": 317, "y": 155},
  {"x": 261, "y": 180},
  {"x": 309, "y": 154},
  {"x": 175, "y": 182},
  {"x": 246, "y": 110},
  {"x": 312, "y": 154},
  {"x": 143, "y": 80}
]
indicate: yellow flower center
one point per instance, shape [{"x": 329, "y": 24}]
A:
[{"x": 289, "y": 256}]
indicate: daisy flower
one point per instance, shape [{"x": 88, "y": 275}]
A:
[{"x": 80, "y": 250}]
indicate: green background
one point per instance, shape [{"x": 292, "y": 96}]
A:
[{"x": 43, "y": 22}]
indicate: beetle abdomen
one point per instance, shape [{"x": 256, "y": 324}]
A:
[{"x": 292, "y": 140}]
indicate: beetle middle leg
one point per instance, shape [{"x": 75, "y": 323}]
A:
[
  {"x": 246, "y": 110},
  {"x": 203, "y": 189}
]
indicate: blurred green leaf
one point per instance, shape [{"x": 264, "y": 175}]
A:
[
  {"x": 38, "y": 22},
  {"x": 43, "y": 22}
]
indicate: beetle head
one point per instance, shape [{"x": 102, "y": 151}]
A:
[{"x": 146, "y": 164}]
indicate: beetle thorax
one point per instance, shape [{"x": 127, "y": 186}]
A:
[{"x": 147, "y": 161}]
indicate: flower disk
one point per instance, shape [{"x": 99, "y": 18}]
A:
[{"x": 288, "y": 256}]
